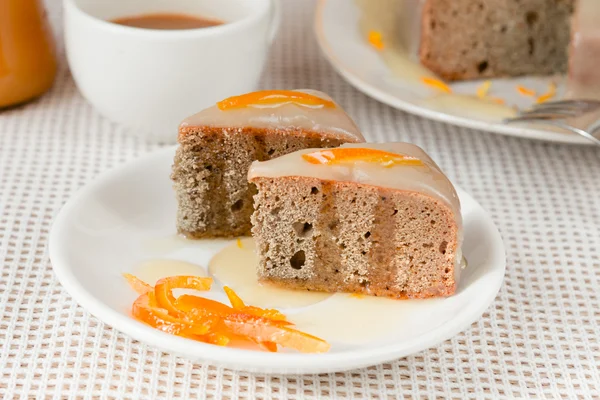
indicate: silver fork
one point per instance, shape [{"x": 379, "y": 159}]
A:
[{"x": 556, "y": 113}]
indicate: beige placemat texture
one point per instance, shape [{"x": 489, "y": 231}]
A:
[{"x": 539, "y": 339}]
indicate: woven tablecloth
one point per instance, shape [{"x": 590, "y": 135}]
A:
[{"x": 539, "y": 339}]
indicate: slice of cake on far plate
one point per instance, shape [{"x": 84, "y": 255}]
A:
[
  {"x": 379, "y": 219},
  {"x": 217, "y": 146},
  {"x": 471, "y": 39}
]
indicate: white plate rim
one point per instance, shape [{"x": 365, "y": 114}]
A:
[
  {"x": 246, "y": 359},
  {"x": 374, "y": 92}
]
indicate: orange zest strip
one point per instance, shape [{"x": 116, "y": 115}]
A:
[
  {"x": 267, "y": 313},
  {"x": 274, "y": 97},
  {"x": 353, "y": 154},
  {"x": 212, "y": 322},
  {"x": 188, "y": 303},
  {"x": 283, "y": 336},
  {"x": 236, "y": 302},
  {"x": 158, "y": 318},
  {"x": 269, "y": 346},
  {"x": 137, "y": 284},
  {"x": 164, "y": 294},
  {"x": 217, "y": 338},
  {"x": 436, "y": 84},
  {"x": 239, "y": 243},
  {"x": 483, "y": 89},
  {"x": 376, "y": 40},
  {"x": 525, "y": 91},
  {"x": 548, "y": 95},
  {"x": 497, "y": 100}
]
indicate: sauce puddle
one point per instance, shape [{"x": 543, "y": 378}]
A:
[
  {"x": 152, "y": 270},
  {"x": 235, "y": 266},
  {"x": 341, "y": 318}
]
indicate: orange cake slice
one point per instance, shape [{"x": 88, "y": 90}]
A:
[
  {"x": 378, "y": 219},
  {"x": 217, "y": 146}
]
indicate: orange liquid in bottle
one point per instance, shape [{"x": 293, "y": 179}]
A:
[{"x": 27, "y": 58}]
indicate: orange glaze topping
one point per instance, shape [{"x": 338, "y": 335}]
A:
[
  {"x": 352, "y": 154},
  {"x": 274, "y": 97}
]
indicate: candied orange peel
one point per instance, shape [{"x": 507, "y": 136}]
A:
[
  {"x": 436, "y": 84},
  {"x": 273, "y": 98},
  {"x": 548, "y": 95},
  {"x": 483, "y": 89},
  {"x": 352, "y": 154},
  {"x": 525, "y": 91},
  {"x": 209, "y": 321},
  {"x": 376, "y": 40},
  {"x": 137, "y": 284}
]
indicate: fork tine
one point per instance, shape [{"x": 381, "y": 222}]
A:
[
  {"x": 552, "y": 107},
  {"x": 559, "y": 124},
  {"x": 568, "y": 104},
  {"x": 525, "y": 118},
  {"x": 557, "y": 113},
  {"x": 570, "y": 101}
]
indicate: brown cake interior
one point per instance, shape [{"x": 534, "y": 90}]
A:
[
  {"x": 469, "y": 39},
  {"x": 211, "y": 168},
  {"x": 347, "y": 237}
]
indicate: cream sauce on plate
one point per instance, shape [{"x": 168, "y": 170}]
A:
[
  {"x": 341, "y": 317},
  {"x": 152, "y": 270},
  {"x": 236, "y": 266}
]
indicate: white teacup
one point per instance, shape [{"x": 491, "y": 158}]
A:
[{"x": 149, "y": 80}]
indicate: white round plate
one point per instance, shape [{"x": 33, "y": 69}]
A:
[
  {"x": 338, "y": 35},
  {"x": 105, "y": 229}
]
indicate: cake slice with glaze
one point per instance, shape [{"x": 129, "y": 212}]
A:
[
  {"x": 474, "y": 39},
  {"x": 378, "y": 219},
  {"x": 217, "y": 146}
]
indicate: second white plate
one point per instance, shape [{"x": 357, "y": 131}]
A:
[
  {"x": 123, "y": 218},
  {"x": 337, "y": 32}
]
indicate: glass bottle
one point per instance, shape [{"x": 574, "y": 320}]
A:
[{"x": 27, "y": 53}]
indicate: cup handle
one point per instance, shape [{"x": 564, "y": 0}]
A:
[{"x": 275, "y": 19}]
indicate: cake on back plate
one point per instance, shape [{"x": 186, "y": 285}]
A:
[
  {"x": 378, "y": 219},
  {"x": 468, "y": 39},
  {"x": 217, "y": 146}
]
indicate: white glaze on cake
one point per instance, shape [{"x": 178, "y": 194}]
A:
[
  {"x": 281, "y": 116},
  {"x": 584, "y": 52},
  {"x": 427, "y": 179}
]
